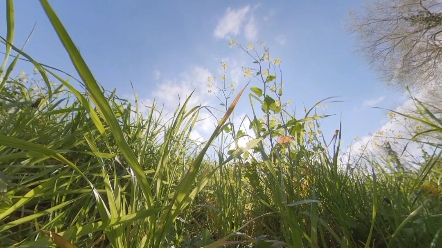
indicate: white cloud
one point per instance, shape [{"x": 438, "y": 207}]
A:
[
  {"x": 231, "y": 22},
  {"x": 373, "y": 102},
  {"x": 235, "y": 21},
  {"x": 397, "y": 131},
  {"x": 250, "y": 29},
  {"x": 196, "y": 136},
  {"x": 173, "y": 92},
  {"x": 156, "y": 74}
]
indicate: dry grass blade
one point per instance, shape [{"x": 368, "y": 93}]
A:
[{"x": 59, "y": 240}]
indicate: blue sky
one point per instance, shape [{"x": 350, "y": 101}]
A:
[{"x": 166, "y": 48}]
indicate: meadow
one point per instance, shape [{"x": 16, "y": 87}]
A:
[{"x": 82, "y": 167}]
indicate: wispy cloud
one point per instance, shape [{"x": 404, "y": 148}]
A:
[
  {"x": 156, "y": 74},
  {"x": 269, "y": 15},
  {"x": 373, "y": 102},
  {"x": 251, "y": 32},
  {"x": 171, "y": 92},
  {"x": 281, "y": 40},
  {"x": 234, "y": 22},
  {"x": 397, "y": 130}
]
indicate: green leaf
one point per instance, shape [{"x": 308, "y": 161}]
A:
[
  {"x": 270, "y": 78},
  {"x": 227, "y": 128},
  {"x": 268, "y": 101},
  {"x": 296, "y": 129},
  {"x": 270, "y": 104},
  {"x": 257, "y": 91},
  {"x": 240, "y": 133}
]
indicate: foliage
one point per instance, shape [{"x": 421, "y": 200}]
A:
[{"x": 88, "y": 168}]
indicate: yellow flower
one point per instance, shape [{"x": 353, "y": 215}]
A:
[
  {"x": 224, "y": 65},
  {"x": 248, "y": 73},
  {"x": 223, "y": 77},
  {"x": 399, "y": 136},
  {"x": 232, "y": 84},
  {"x": 22, "y": 74},
  {"x": 232, "y": 43},
  {"x": 277, "y": 61},
  {"x": 209, "y": 79},
  {"x": 265, "y": 73},
  {"x": 266, "y": 56},
  {"x": 391, "y": 115},
  {"x": 249, "y": 46}
]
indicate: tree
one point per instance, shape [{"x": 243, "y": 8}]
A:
[{"x": 403, "y": 40}]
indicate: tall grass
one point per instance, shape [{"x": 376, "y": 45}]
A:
[{"x": 88, "y": 168}]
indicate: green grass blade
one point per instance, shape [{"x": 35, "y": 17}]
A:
[
  {"x": 96, "y": 94},
  {"x": 10, "y": 33}
]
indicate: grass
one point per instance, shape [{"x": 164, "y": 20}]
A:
[{"x": 88, "y": 168}]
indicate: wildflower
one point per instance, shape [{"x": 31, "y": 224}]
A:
[
  {"x": 277, "y": 61},
  {"x": 232, "y": 84},
  {"x": 224, "y": 65},
  {"x": 223, "y": 77},
  {"x": 391, "y": 115},
  {"x": 249, "y": 46},
  {"x": 22, "y": 74},
  {"x": 399, "y": 136},
  {"x": 266, "y": 56},
  {"x": 209, "y": 79},
  {"x": 248, "y": 73},
  {"x": 232, "y": 43},
  {"x": 376, "y": 143},
  {"x": 265, "y": 73}
]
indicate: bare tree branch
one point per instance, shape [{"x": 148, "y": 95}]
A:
[{"x": 402, "y": 40}]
